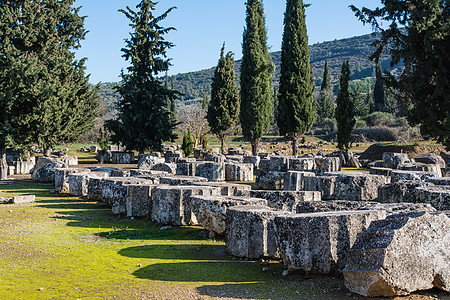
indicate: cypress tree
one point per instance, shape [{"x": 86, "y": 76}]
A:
[
  {"x": 223, "y": 110},
  {"x": 205, "y": 100},
  {"x": 256, "y": 81},
  {"x": 144, "y": 119},
  {"x": 378, "y": 92},
  {"x": 344, "y": 110},
  {"x": 295, "y": 107},
  {"x": 188, "y": 144},
  {"x": 326, "y": 82},
  {"x": 361, "y": 108}
]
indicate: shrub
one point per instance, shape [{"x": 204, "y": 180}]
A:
[
  {"x": 377, "y": 134},
  {"x": 360, "y": 124},
  {"x": 380, "y": 119}
]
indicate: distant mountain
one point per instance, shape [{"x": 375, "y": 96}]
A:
[{"x": 356, "y": 50}]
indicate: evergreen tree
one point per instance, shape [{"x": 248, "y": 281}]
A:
[
  {"x": 295, "y": 106},
  {"x": 369, "y": 101},
  {"x": 344, "y": 110},
  {"x": 326, "y": 82},
  {"x": 45, "y": 96},
  {"x": 223, "y": 110},
  {"x": 361, "y": 108},
  {"x": 256, "y": 81},
  {"x": 144, "y": 120},
  {"x": 378, "y": 92},
  {"x": 205, "y": 100},
  {"x": 325, "y": 106},
  {"x": 188, "y": 144}
]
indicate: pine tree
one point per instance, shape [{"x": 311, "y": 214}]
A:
[
  {"x": 326, "y": 82},
  {"x": 144, "y": 120},
  {"x": 295, "y": 106},
  {"x": 223, "y": 110},
  {"x": 256, "y": 81},
  {"x": 344, "y": 110},
  {"x": 378, "y": 92}
]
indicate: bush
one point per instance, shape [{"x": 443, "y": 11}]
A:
[
  {"x": 381, "y": 119},
  {"x": 376, "y": 134},
  {"x": 360, "y": 124}
]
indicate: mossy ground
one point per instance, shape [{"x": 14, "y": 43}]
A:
[{"x": 63, "y": 247}]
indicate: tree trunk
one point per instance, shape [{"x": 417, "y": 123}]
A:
[
  {"x": 3, "y": 164},
  {"x": 222, "y": 144},
  {"x": 101, "y": 157},
  {"x": 255, "y": 145},
  {"x": 295, "y": 146},
  {"x": 47, "y": 152}
]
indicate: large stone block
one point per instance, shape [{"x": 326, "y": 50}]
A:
[
  {"x": 301, "y": 164},
  {"x": 211, "y": 171},
  {"x": 172, "y": 205},
  {"x": 148, "y": 161},
  {"x": 238, "y": 172},
  {"x": 182, "y": 180},
  {"x": 380, "y": 171},
  {"x": 400, "y": 191},
  {"x": 186, "y": 168},
  {"x": 327, "y": 164},
  {"x": 254, "y": 160},
  {"x": 431, "y": 159},
  {"x": 211, "y": 211},
  {"x": 401, "y": 175},
  {"x": 392, "y": 160},
  {"x": 172, "y": 156},
  {"x": 114, "y": 192},
  {"x": 285, "y": 200},
  {"x": 400, "y": 255},
  {"x": 439, "y": 180},
  {"x": 417, "y": 166},
  {"x": 62, "y": 178},
  {"x": 170, "y": 168},
  {"x": 23, "y": 167},
  {"x": 359, "y": 187},
  {"x": 122, "y": 157},
  {"x": 318, "y": 242},
  {"x": 139, "y": 200},
  {"x": 437, "y": 196},
  {"x": 250, "y": 231},
  {"x": 95, "y": 188},
  {"x": 323, "y": 184},
  {"x": 120, "y": 173},
  {"x": 266, "y": 180},
  {"x": 44, "y": 170},
  {"x": 228, "y": 189},
  {"x": 295, "y": 180},
  {"x": 237, "y": 159},
  {"x": 79, "y": 182},
  {"x": 215, "y": 157}
]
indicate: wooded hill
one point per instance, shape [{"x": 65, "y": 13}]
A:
[{"x": 356, "y": 50}]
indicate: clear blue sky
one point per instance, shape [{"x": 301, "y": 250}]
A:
[{"x": 202, "y": 27}]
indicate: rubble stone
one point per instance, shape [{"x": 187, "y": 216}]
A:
[
  {"x": 431, "y": 159},
  {"x": 400, "y": 255},
  {"x": 393, "y": 160}
]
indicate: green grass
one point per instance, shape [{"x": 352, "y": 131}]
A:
[{"x": 63, "y": 247}]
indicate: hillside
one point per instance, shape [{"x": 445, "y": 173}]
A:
[{"x": 356, "y": 50}]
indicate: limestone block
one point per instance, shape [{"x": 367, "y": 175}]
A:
[
  {"x": 278, "y": 163},
  {"x": 445, "y": 172},
  {"x": 250, "y": 231},
  {"x": 266, "y": 180},
  {"x": 95, "y": 188},
  {"x": 121, "y": 173},
  {"x": 301, "y": 164},
  {"x": 417, "y": 166},
  {"x": 199, "y": 153},
  {"x": 254, "y": 160},
  {"x": 70, "y": 160},
  {"x": 215, "y": 157},
  {"x": 172, "y": 156},
  {"x": 400, "y": 191},
  {"x": 401, "y": 175},
  {"x": 327, "y": 164},
  {"x": 318, "y": 242},
  {"x": 400, "y": 255},
  {"x": 122, "y": 157},
  {"x": 148, "y": 161},
  {"x": 295, "y": 180},
  {"x": 359, "y": 187},
  {"x": 172, "y": 205},
  {"x": 170, "y": 168},
  {"x": 62, "y": 179},
  {"x": 437, "y": 196},
  {"x": 139, "y": 200},
  {"x": 211, "y": 211},
  {"x": 181, "y": 180},
  {"x": 393, "y": 160},
  {"x": 11, "y": 170},
  {"x": 235, "y": 151},
  {"x": 238, "y": 172},
  {"x": 439, "y": 180},
  {"x": 23, "y": 199},
  {"x": 234, "y": 159},
  {"x": 114, "y": 192},
  {"x": 108, "y": 170},
  {"x": 44, "y": 170},
  {"x": 227, "y": 188},
  {"x": 211, "y": 171},
  {"x": 323, "y": 184},
  {"x": 186, "y": 168},
  {"x": 431, "y": 159},
  {"x": 79, "y": 182},
  {"x": 23, "y": 167},
  {"x": 285, "y": 200},
  {"x": 380, "y": 171}
]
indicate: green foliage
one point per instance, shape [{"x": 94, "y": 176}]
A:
[
  {"x": 360, "y": 124},
  {"x": 325, "y": 106},
  {"x": 44, "y": 94},
  {"x": 256, "y": 82},
  {"x": 188, "y": 144},
  {"x": 144, "y": 119},
  {"x": 361, "y": 108},
  {"x": 344, "y": 111},
  {"x": 381, "y": 119},
  {"x": 326, "y": 81},
  {"x": 223, "y": 110},
  {"x": 423, "y": 48},
  {"x": 378, "y": 92},
  {"x": 296, "y": 112},
  {"x": 206, "y": 100}
]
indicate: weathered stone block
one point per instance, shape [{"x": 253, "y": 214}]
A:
[
  {"x": 417, "y": 166},
  {"x": 238, "y": 172},
  {"x": 301, "y": 164},
  {"x": 393, "y": 160},
  {"x": 250, "y": 231},
  {"x": 172, "y": 156},
  {"x": 23, "y": 167},
  {"x": 431, "y": 159},
  {"x": 44, "y": 170},
  {"x": 266, "y": 180},
  {"x": 211, "y": 171},
  {"x": 323, "y": 184},
  {"x": 120, "y": 173},
  {"x": 172, "y": 205},
  {"x": 181, "y": 180},
  {"x": 254, "y": 160},
  {"x": 401, "y": 175},
  {"x": 148, "y": 161},
  {"x": 439, "y": 180},
  {"x": 400, "y": 255},
  {"x": 215, "y": 157},
  {"x": 380, "y": 171},
  {"x": 122, "y": 157},
  {"x": 62, "y": 178},
  {"x": 211, "y": 211},
  {"x": 228, "y": 189},
  {"x": 318, "y": 242},
  {"x": 186, "y": 168},
  {"x": 437, "y": 196},
  {"x": 95, "y": 188},
  {"x": 139, "y": 200},
  {"x": 295, "y": 180},
  {"x": 79, "y": 182},
  {"x": 234, "y": 159},
  {"x": 285, "y": 200},
  {"x": 170, "y": 168},
  {"x": 235, "y": 151},
  {"x": 359, "y": 187},
  {"x": 327, "y": 164},
  {"x": 23, "y": 199},
  {"x": 400, "y": 191}
]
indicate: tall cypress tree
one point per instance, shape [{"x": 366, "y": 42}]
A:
[
  {"x": 295, "y": 107},
  {"x": 144, "y": 118},
  {"x": 223, "y": 110},
  {"x": 256, "y": 81},
  {"x": 345, "y": 115},
  {"x": 325, "y": 105},
  {"x": 326, "y": 82},
  {"x": 378, "y": 92}
]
